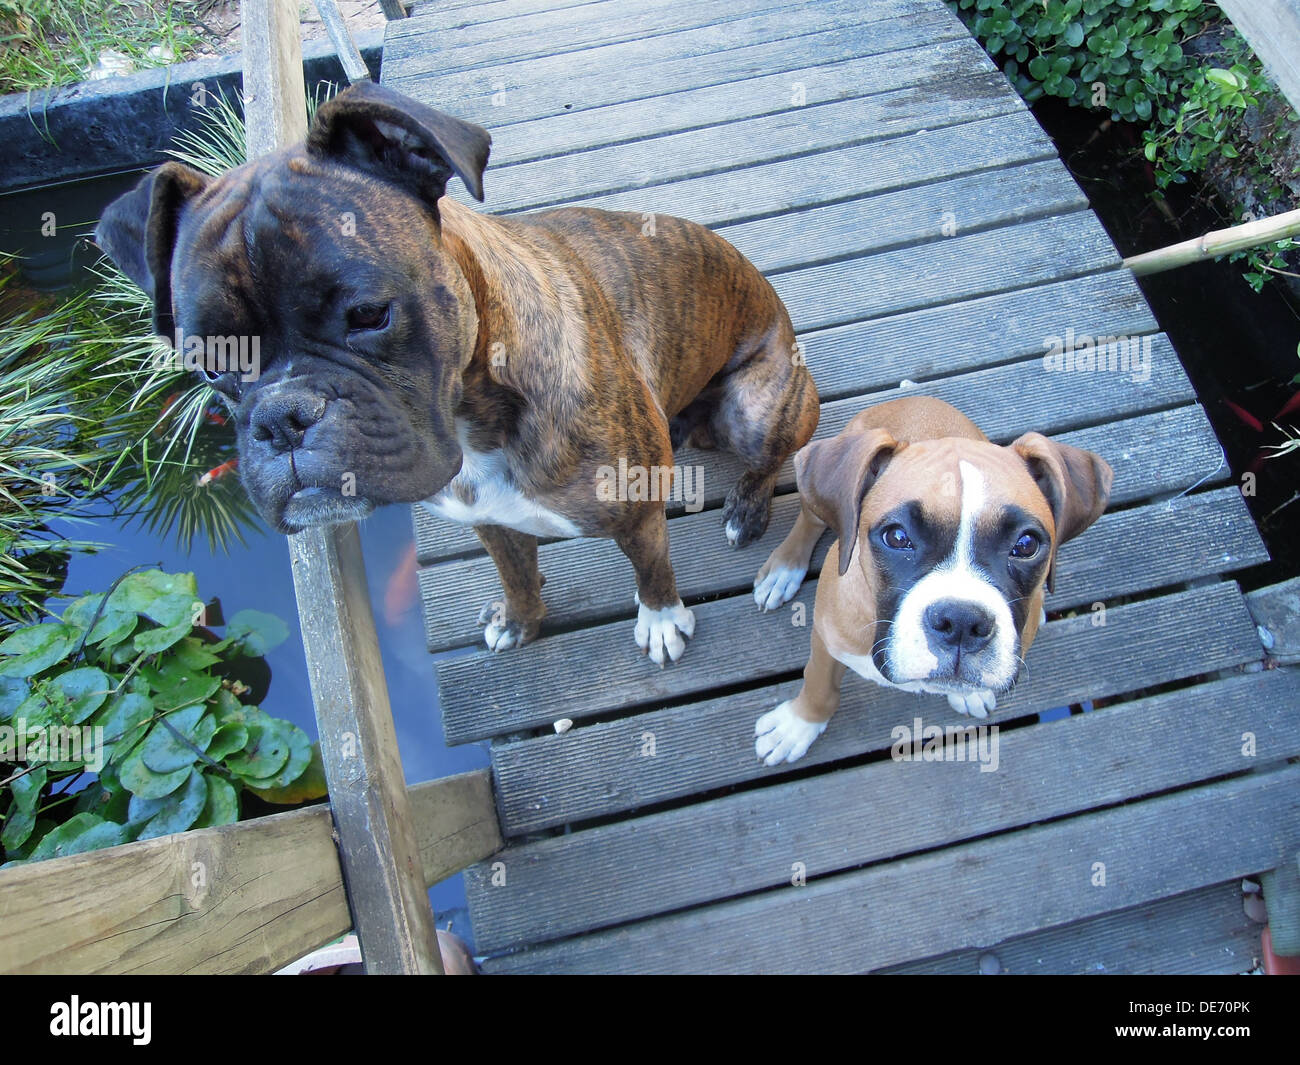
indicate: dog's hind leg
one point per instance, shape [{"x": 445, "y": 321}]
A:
[
  {"x": 515, "y": 621},
  {"x": 767, "y": 409}
]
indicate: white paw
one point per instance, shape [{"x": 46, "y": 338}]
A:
[
  {"x": 977, "y": 703},
  {"x": 501, "y": 635},
  {"x": 783, "y": 736},
  {"x": 663, "y": 633},
  {"x": 733, "y": 533},
  {"x": 777, "y": 586}
]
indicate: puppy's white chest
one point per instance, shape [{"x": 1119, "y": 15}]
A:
[{"x": 484, "y": 494}]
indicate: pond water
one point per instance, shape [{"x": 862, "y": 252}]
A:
[{"x": 258, "y": 577}]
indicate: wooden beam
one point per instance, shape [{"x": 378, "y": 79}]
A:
[
  {"x": 354, "y": 67},
  {"x": 393, "y": 9},
  {"x": 244, "y": 898},
  {"x": 1272, "y": 29},
  {"x": 390, "y": 909}
]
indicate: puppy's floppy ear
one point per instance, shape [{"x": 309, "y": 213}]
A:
[
  {"x": 1076, "y": 484},
  {"x": 138, "y": 232},
  {"x": 835, "y": 475},
  {"x": 384, "y": 133}
]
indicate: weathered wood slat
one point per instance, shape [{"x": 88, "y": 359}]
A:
[
  {"x": 961, "y": 897},
  {"x": 449, "y": 14},
  {"x": 867, "y": 356},
  {"x": 1201, "y": 933},
  {"x": 243, "y": 898},
  {"x": 423, "y": 57},
  {"x": 587, "y": 581},
  {"x": 713, "y": 105},
  {"x": 486, "y": 695},
  {"x": 565, "y": 30},
  {"x": 770, "y": 188},
  {"x": 804, "y": 133},
  {"x": 595, "y": 770},
  {"x": 541, "y": 87},
  {"x": 749, "y": 841}
]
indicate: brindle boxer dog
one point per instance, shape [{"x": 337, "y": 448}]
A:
[{"x": 415, "y": 350}]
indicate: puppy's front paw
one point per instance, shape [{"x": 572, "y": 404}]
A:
[
  {"x": 501, "y": 631},
  {"x": 777, "y": 583},
  {"x": 662, "y": 633},
  {"x": 783, "y": 736},
  {"x": 977, "y": 703}
]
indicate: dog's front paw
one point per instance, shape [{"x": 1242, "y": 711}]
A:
[
  {"x": 977, "y": 703},
  {"x": 777, "y": 583},
  {"x": 783, "y": 736},
  {"x": 501, "y": 631},
  {"x": 662, "y": 633}
]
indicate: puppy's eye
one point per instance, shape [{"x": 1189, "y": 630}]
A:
[
  {"x": 895, "y": 537},
  {"x": 366, "y": 317},
  {"x": 1026, "y": 546}
]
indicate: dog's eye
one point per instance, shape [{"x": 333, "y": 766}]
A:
[
  {"x": 1026, "y": 546},
  {"x": 367, "y": 317},
  {"x": 895, "y": 537}
]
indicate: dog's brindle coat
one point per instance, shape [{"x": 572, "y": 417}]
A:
[{"x": 401, "y": 333}]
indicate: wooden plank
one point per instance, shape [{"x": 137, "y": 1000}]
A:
[
  {"x": 423, "y": 56},
  {"x": 1272, "y": 28},
  {"x": 485, "y": 694},
  {"x": 451, "y": 14},
  {"x": 363, "y": 767},
  {"x": 587, "y": 580},
  {"x": 1006, "y": 400},
  {"x": 746, "y": 842},
  {"x": 961, "y": 897},
  {"x": 1200, "y": 933},
  {"x": 750, "y": 142},
  {"x": 354, "y": 67},
  {"x": 878, "y": 353},
  {"x": 598, "y": 769},
  {"x": 776, "y": 187},
  {"x": 275, "y": 94},
  {"x": 566, "y": 30},
  {"x": 244, "y": 898},
  {"x": 518, "y": 91},
  {"x": 713, "y": 105}
]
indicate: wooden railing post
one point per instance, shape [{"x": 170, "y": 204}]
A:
[{"x": 380, "y": 858}]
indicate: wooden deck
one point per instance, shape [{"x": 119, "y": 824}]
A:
[{"x": 623, "y": 860}]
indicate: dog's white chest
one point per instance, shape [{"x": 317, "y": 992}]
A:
[{"x": 484, "y": 494}]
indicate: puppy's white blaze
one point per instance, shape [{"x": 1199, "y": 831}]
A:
[
  {"x": 908, "y": 653},
  {"x": 659, "y": 633},
  {"x": 496, "y": 500}
]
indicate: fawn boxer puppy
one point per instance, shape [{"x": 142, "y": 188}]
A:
[
  {"x": 944, "y": 545},
  {"x": 412, "y": 349}
]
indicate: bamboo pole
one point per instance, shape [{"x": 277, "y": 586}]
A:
[{"x": 1220, "y": 242}]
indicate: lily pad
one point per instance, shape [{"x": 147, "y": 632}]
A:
[
  {"x": 180, "y": 809},
  {"x": 298, "y": 760},
  {"x": 167, "y": 598},
  {"x": 151, "y": 641},
  {"x": 267, "y": 752},
  {"x": 222, "y": 806},
  {"x": 257, "y": 632},
  {"x": 81, "y": 832},
  {"x": 308, "y": 785},
  {"x": 35, "y": 648},
  {"x": 122, "y": 720},
  {"x": 83, "y": 691},
  {"x": 142, "y": 781},
  {"x": 228, "y": 739},
  {"x": 165, "y": 752}
]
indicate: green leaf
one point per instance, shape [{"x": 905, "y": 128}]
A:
[
  {"x": 36, "y": 648},
  {"x": 13, "y": 690},
  {"x": 180, "y": 809},
  {"x": 222, "y": 806},
  {"x": 122, "y": 721},
  {"x": 257, "y": 632},
  {"x": 151, "y": 641},
  {"x": 192, "y": 653},
  {"x": 298, "y": 760},
  {"x": 1074, "y": 34},
  {"x": 142, "y": 781},
  {"x": 81, "y": 832},
  {"x": 22, "y": 814},
  {"x": 167, "y": 598},
  {"x": 1222, "y": 77},
  {"x": 113, "y": 627},
  {"x": 228, "y": 739},
  {"x": 83, "y": 692},
  {"x": 267, "y": 752},
  {"x": 165, "y": 752},
  {"x": 310, "y": 784}
]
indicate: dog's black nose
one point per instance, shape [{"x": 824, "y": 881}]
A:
[
  {"x": 281, "y": 419},
  {"x": 958, "y": 624}
]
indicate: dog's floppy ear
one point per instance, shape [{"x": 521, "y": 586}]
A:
[
  {"x": 393, "y": 137},
  {"x": 835, "y": 475},
  {"x": 1076, "y": 484},
  {"x": 138, "y": 232}
]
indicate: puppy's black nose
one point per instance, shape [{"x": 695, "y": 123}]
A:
[
  {"x": 281, "y": 419},
  {"x": 958, "y": 624}
]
